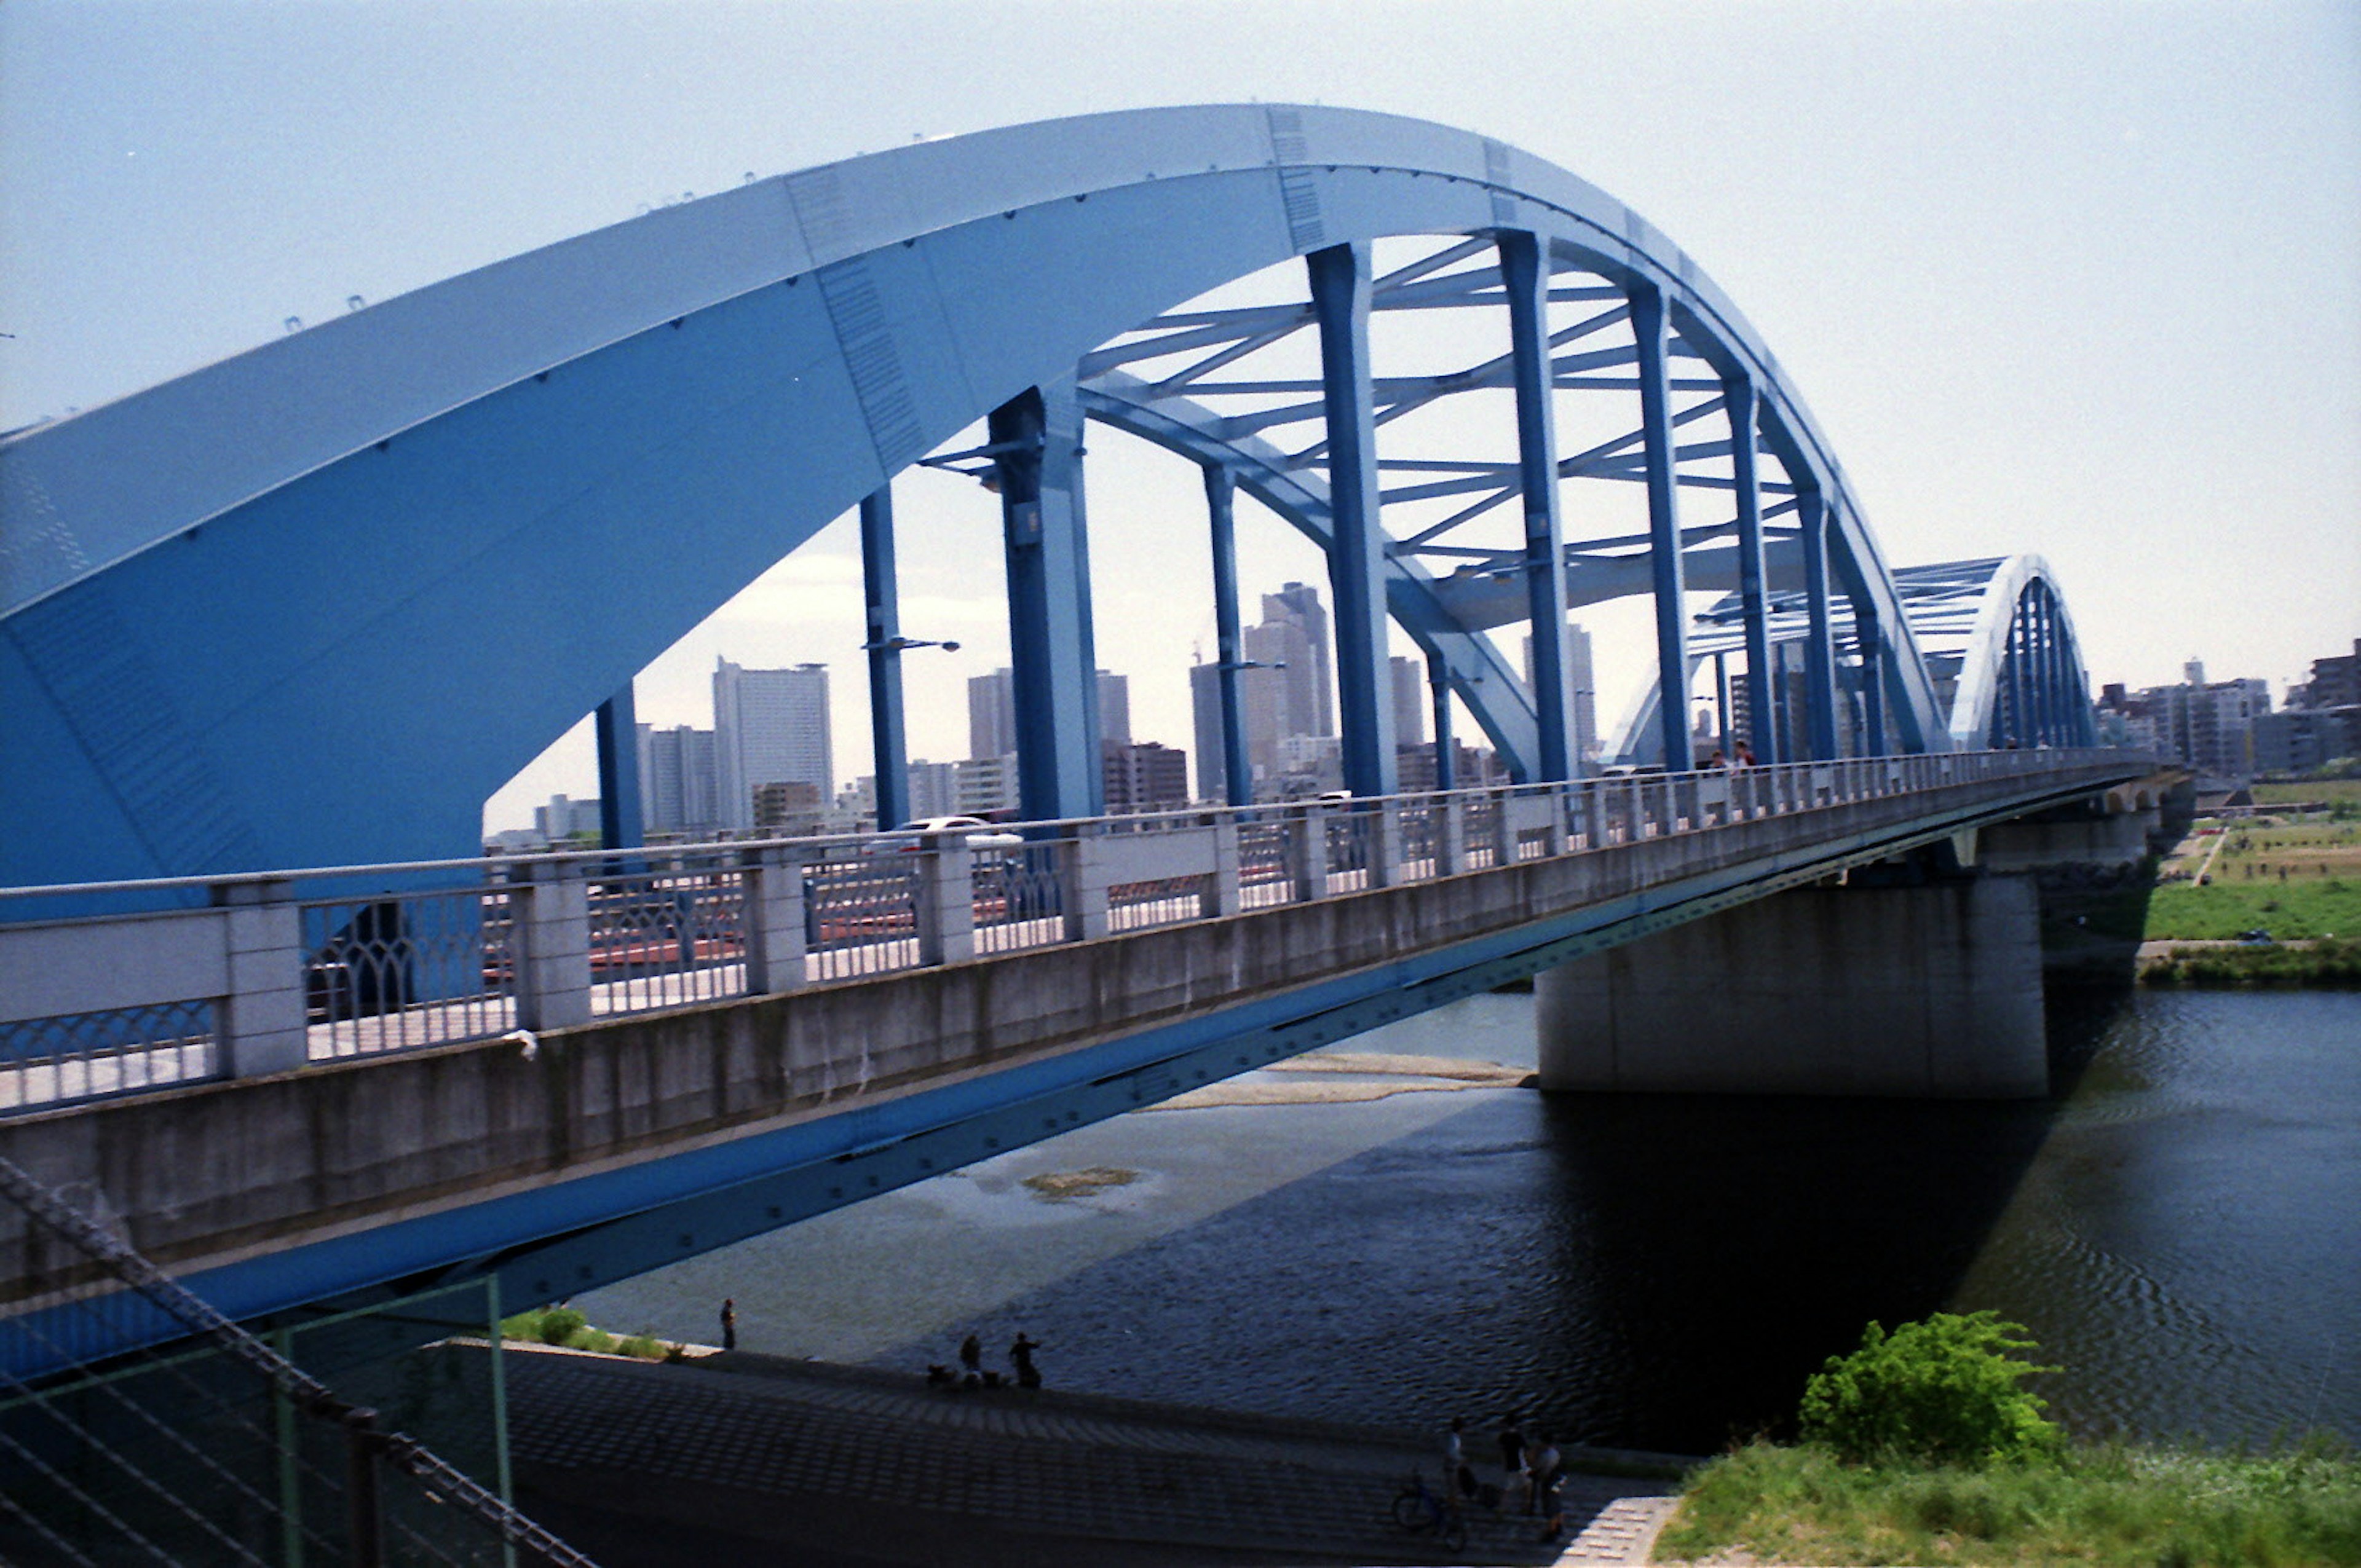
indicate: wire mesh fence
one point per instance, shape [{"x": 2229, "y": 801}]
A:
[{"x": 137, "y": 1425}]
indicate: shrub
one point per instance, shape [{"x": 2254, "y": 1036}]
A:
[
  {"x": 644, "y": 1346},
  {"x": 1945, "y": 1391},
  {"x": 560, "y": 1324}
]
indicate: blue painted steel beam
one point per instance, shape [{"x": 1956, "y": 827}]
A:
[
  {"x": 1819, "y": 650},
  {"x": 830, "y": 325},
  {"x": 2018, "y": 731},
  {"x": 2043, "y": 698},
  {"x": 622, "y": 824},
  {"x": 1220, "y": 512},
  {"x": 1487, "y": 682},
  {"x": 1663, "y": 528},
  {"x": 1446, "y": 753},
  {"x": 2030, "y": 614},
  {"x": 1739, "y": 399},
  {"x": 882, "y": 596},
  {"x": 2053, "y": 688},
  {"x": 1356, "y": 551},
  {"x": 1869, "y": 640},
  {"x": 1525, "y": 277},
  {"x": 1037, "y": 442}
]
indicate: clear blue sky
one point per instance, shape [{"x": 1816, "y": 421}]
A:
[{"x": 2081, "y": 279}]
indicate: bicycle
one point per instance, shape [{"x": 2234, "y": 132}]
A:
[{"x": 1419, "y": 1512}]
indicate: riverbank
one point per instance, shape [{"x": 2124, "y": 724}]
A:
[
  {"x": 2326, "y": 963},
  {"x": 2100, "y": 1504},
  {"x": 734, "y": 1457},
  {"x": 2298, "y": 881}
]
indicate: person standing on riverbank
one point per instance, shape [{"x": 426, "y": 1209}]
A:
[
  {"x": 1541, "y": 1493},
  {"x": 1552, "y": 1495},
  {"x": 729, "y": 1322},
  {"x": 1020, "y": 1355},
  {"x": 1512, "y": 1455}
]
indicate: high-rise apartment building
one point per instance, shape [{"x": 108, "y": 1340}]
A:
[
  {"x": 679, "y": 789},
  {"x": 768, "y": 727},
  {"x": 563, "y": 818},
  {"x": 991, "y": 712},
  {"x": 1410, "y": 701},
  {"x": 1284, "y": 694},
  {"x": 1115, "y": 708},
  {"x": 1205, "y": 725},
  {"x": 1581, "y": 690},
  {"x": 2335, "y": 682},
  {"x": 1145, "y": 776},
  {"x": 2206, "y": 725},
  {"x": 985, "y": 786},
  {"x": 1310, "y": 690}
]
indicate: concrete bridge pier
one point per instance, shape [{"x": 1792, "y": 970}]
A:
[{"x": 1931, "y": 990}]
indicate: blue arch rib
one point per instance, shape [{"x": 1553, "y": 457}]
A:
[{"x": 313, "y": 603}]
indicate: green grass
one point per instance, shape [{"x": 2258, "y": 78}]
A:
[
  {"x": 2327, "y": 963},
  {"x": 2346, "y": 791},
  {"x": 2101, "y": 1505},
  {"x": 2300, "y": 906},
  {"x": 563, "y": 1326}
]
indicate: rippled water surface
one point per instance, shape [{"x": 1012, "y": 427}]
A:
[{"x": 2181, "y": 1230}]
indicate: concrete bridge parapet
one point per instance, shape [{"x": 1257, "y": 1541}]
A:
[{"x": 466, "y": 1149}]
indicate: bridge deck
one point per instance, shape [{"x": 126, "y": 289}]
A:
[{"x": 622, "y": 1143}]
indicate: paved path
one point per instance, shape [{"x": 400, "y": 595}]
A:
[{"x": 648, "y": 1463}]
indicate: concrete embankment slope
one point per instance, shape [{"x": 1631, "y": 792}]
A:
[{"x": 744, "y": 1458}]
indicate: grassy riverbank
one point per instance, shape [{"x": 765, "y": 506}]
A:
[
  {"x": 564, "y": 1327},
  {"x": 2323, "y": 964},
  {"x": 2185, "y": 912},
  {"x": 2106, "y": 1505},
  {"x": 2297, "y": 879}
]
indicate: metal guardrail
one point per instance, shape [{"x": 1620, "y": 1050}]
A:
[{"x": 281, "y": 969}]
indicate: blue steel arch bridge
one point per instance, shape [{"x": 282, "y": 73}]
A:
[
  {"x": 236, "y": 604},
  {"x": 233, "y": 604}
]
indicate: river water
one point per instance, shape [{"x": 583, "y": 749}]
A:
[{"x": 2179, "y": 1226}]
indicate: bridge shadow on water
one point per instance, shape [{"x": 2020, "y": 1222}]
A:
[
  {"x": 1647, "y": 1271},
  {"x": 1733, "y": 1244}
]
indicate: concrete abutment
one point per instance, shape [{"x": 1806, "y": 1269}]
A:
[{"x": 1931, "y": 991}]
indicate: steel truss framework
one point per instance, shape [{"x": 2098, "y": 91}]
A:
[{"x": 313, "y": 604}]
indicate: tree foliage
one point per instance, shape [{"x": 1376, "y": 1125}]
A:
[
  {"x": 560, "y": 1324},
  {"x": 1948, "y": 1390}
]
